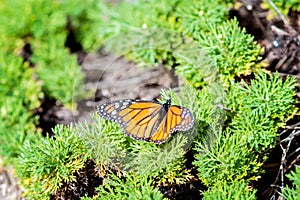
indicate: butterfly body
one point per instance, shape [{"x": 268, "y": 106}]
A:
[{"x": 147, "y": 120}]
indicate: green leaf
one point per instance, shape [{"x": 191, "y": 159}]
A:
[{"x": 46, "y": 164}]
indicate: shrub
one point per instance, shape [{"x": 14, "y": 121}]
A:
[
  {"x": 61, "y": 75},
  {"x": 258, "y": 110},
  {"x": 233, "y": 52},
  {"x": 146, "y": 39},
  {"x": 111, "y": 149},
  {"x": 164, "y": 163},
  {"x": 215, "y": 53},
  {"x": 45, "y": 25},
  {"x": 227, "y": 158},
  {"x": 161, "y": 37},
  {"x": 20, "y": 94},
  {"x": 229, "y": 190},
  {"x": 105, "y": 142},
  {"x": 130, "y": 186},
  {"x": 46, "y": 164},
  {"x": 35, "y": 20},
  {"x": 196, "y": 16},
  {"x": 261, "y": 108},
  {"x": 291, "y": 193}
]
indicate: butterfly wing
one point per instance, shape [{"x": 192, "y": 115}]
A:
[
  {"x": 147, "y": 120},
  {"x": 176, "y": 119},
  {"x": 138, "y": 119}
]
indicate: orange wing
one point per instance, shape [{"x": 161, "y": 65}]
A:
[
  {"x": 141, "y": 119},
  {"x": 176, "y": 119},
  {"x": 147, "y": 120},
  {"x": 138, "y": 119}
]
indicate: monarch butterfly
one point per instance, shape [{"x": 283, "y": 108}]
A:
[{"x": 147, "y": 120}]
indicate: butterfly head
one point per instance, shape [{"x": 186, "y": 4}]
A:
[{"x": 167, "y": 104}]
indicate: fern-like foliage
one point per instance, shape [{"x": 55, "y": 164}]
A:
[
  {"x": 46, "y": 164},
  {"x": 164, "y": 163},
  {"x": 230, "y": 190},
  {"x": 197, "y": 16},
  {"x": 219, "y": 161},
  {"x": 115, "y": 151},
  {"x": 261, "y": 108},
  {"x": 53, "y": 65},
  {"x": 44, "y": 25},
  {"x": 291, "y": 193},
  {"x": 233, "y": 52},
  {"x": 181, "y": 35},
  {"x": 20, "y": 95},
  {"x": 256, "y": 112},
  {"x": 47, "y": 18},
  {"x": 128, "y": 22},
  {"x": 130, "y": 186},
  {"x": 105, "y": 142}
]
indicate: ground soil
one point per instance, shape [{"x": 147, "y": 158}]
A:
[{"x": 114, "y": 78}]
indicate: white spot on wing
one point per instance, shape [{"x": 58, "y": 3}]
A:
[
  {"x": 114, "y": 112},
  {"x": 123, "y": 107}
]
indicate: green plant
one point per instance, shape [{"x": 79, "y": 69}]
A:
[
  {"x": 153, "y": 38},
  {"x": 202, "y": 104},
  {"x": 294, "y": 192},
  {"x": 31, "y": 18},
  {"x": 164, "y": 163},
  {"x": 105, "y": 142},
  {"x": 46, "y": 164},
  {"x": 147, "y": 39},
  {"x": 61, "y": 75},
  {"x": 20, "y": 94},
  {"x": 196, "y": 16},
  {"x": 85, "y": 20},
  {"x": 113, "y": 149},
  {"x": 48, "y": 18},
  {"x": 229, "y": 190},
  {"x": 131, "y": 186},
  {"x": 261, "y": 108},
  {"x": 216, "y": 50},
  {"x": 218, "y": 160},
  {"x": 285, "y": 6},
  {"x": 257, "y": 111},
  {"x": 233, "y": 52},
  {"x": 128, "y": 16},
  {"x": 45, "y": 25}
]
